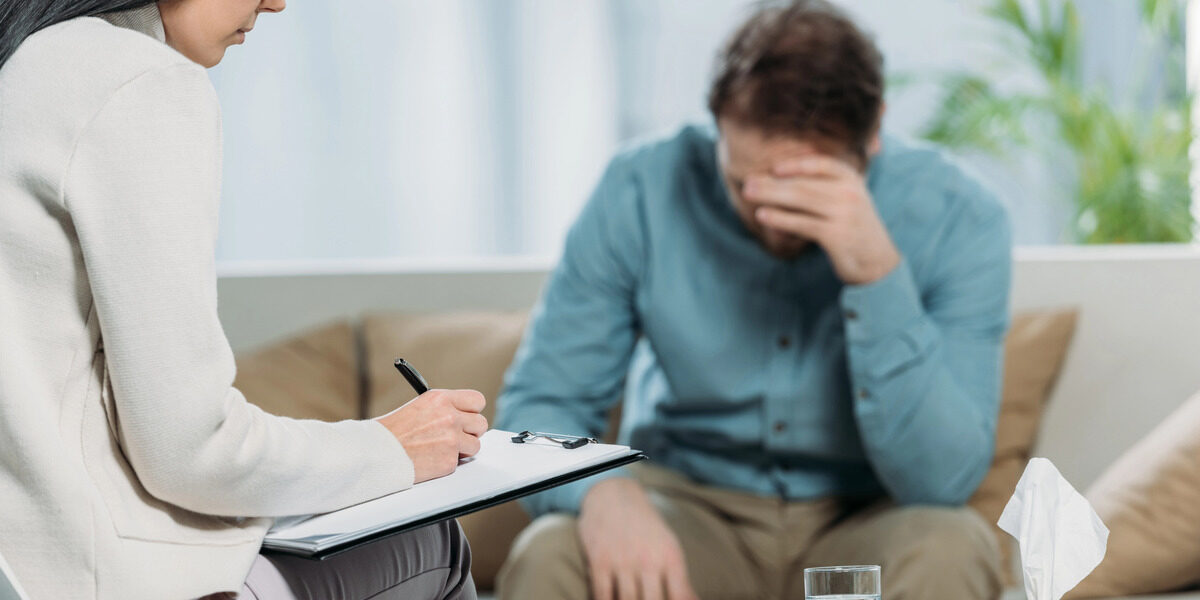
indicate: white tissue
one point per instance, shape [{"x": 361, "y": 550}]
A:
[{"x": 1062, "y": 539}]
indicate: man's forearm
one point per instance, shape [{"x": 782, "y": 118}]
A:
[
  {"x": 927, "y": 439},
  {"x": 925, "y": 404}
]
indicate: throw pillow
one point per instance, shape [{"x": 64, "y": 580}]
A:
[
  {"x": 1150, "y": 500},
  {"x": 313, "y": 375},
  {"x": 1034, "y": 351},
  {"x": 452, "y": 350}
]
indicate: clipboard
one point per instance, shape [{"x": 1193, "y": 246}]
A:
[{"x": 503, "y": 470}]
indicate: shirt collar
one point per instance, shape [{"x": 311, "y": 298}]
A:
[{"x": 145, "y": 20}]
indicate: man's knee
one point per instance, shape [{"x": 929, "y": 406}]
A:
[
  {"x": 546, "y": 560},
  {"x": 951, "y": 553}
]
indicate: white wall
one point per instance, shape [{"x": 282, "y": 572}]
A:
[
  {"x": 412, "y": 128},
  {"x": 1136, "y": 352},
  {"x": 466, "y": 128}
]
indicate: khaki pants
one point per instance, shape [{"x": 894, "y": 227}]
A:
[{"x": 744, "y": 546}]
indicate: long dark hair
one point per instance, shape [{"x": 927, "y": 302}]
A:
[{"x": 20, "y": 19}]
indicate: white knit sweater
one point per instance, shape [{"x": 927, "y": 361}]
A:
[{"x": 127, "y": 459}]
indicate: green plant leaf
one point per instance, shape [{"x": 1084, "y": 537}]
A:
[
  {"x": 1009, "y": 12},
  {"x": 1069, "y": 43},
  {"x": 1130, "y": 169},
  {"x": 971, "y": 115}
]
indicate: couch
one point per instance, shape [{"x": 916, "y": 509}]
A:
[{"x": 1132, "y": 360}]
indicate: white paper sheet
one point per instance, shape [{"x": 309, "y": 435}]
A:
[{"x": 500, "y": 467}]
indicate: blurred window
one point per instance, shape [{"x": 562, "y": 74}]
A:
[{"x": 469, "y": 128}]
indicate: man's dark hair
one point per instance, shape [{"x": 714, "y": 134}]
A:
[
  {"x": 20, "y": 19},
  {"x": 801, "y": 69}
]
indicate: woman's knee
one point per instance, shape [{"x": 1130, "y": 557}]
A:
[
  {"x": 435, "y": 546},
  {"x": 441, "y": 547}
]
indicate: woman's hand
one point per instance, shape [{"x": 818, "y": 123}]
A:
[{"x": 437, "y": 428}]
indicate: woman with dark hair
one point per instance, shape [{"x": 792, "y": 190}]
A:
[{"x": 131, "y": 468}]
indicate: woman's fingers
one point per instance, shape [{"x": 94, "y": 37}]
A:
[
  {"x": 468, "y": 400},
  {"x": 468, "y": 445},
  {"x": 474, "y": 423}
]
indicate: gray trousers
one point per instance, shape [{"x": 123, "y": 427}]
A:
[{"x": 431, "y": 562}]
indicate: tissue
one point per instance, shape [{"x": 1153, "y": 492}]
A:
[{"x": 1061, "y": 538}]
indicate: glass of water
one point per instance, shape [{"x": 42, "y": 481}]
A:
[{"x": 845, "y": 583}]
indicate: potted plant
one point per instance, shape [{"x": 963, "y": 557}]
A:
[{"x": 1128, "y": 166}]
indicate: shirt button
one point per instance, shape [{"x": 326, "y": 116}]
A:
[
  {"x": 780, "y": 426},
  {"x": 784, "y": 341},
  {"x": 851, "y": 314},
  {"x": 863, "y": 393}
]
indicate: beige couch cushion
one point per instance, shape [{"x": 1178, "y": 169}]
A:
[
  {"x": 313, "y": 375},
  {"x": 1150, "y": 500},
  {"x": 458, "y": 350},
  {"x": 1033, "y": 355}
]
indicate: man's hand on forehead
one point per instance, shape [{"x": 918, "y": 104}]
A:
[
  {"x": 825, "y": 199},
  {"x": 809, "y": 184},
  {"x": 815, "y": 165}
]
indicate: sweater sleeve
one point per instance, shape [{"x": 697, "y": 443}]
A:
[{"x": 142, "y": 189}]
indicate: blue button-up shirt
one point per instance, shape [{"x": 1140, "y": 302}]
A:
[{"x": 766, "y": 375}]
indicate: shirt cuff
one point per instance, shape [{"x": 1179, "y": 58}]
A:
[{"x": 882, "y": 308}]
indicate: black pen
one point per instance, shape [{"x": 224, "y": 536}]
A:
[{"x": 414, "y": 378}]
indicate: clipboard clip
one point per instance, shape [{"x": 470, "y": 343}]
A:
[{"x": 567, "y": 441}]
